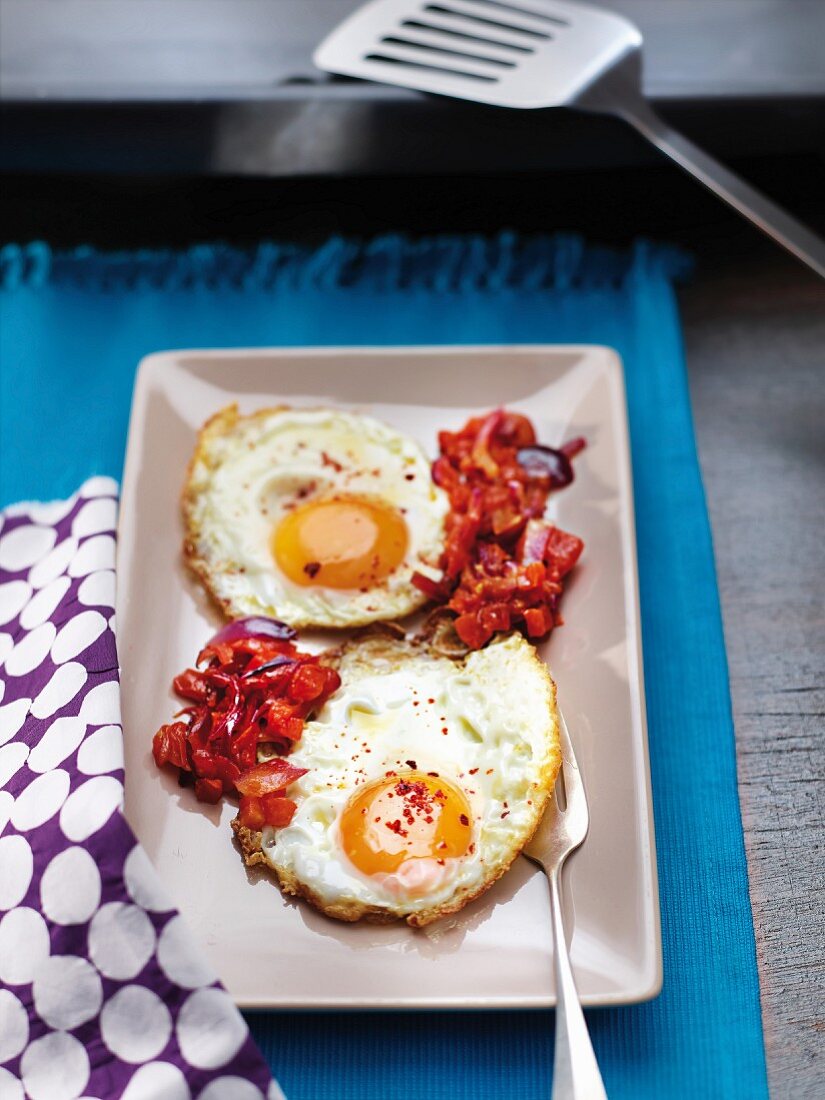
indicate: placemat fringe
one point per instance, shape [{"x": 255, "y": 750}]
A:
[{"x": 388, "y": 263}]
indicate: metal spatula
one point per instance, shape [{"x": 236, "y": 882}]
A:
[{"x": 537, "y": 53}]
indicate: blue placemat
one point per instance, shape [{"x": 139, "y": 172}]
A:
[{"x": 72, "y": 328}]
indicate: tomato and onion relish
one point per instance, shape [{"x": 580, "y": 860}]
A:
[
  {"x": 503, "y": 563},
  {"x": 251, "y": 685}
]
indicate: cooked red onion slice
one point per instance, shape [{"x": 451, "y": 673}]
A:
[
  {"x": 255, "y": 626},
  {"x": 546, "y": 463}
]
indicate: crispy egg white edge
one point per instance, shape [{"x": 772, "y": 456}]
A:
[
  {"x": 306, "y": 856},
  {"x": 394, "y": 597}
]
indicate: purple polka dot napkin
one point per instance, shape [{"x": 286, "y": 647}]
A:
[{"x": 102, "y": 994}]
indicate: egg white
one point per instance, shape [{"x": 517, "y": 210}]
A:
[
  {"x": 248, "y": 472},
  {"x": 498, "y": 707}
]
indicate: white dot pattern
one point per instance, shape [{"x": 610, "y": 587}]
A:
[
  {"x": 121, "y": 940},
  {"x": 55, "y": 1067},
  {"x": 93, "y": 958},
  {"x": 14, "y": 1026}
]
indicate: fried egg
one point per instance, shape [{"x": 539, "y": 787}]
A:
[
  {"x": 317, "y": 517},
  {"x": 426, "y": 776}
]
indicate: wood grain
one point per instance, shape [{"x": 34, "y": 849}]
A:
[{"x": 755, "y": 341}]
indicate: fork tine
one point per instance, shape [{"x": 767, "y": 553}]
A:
[{"x": 576, "y": 811}]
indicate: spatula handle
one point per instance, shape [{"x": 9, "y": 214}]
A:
[{"x": 752, "y": 204}]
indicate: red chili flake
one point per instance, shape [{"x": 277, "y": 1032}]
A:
[
  {"x": 415, "y": 702},
  {"x": 443, "y": 844},
  {"x": 473, "y": 771},
  {"x": 388, "y": 774},
  {"x": 440, "y": 862},
  {"x": 431, "y": 701},
  {"x": 471, "y": 849},
  {"x": 312, "y": 568},
  {"x": 396, "y": 827},
  {"x": 440, "y": 794},
  {"x": 327, "y": 461},
  {"x": 411, "y": 764},
  {"x": 506, "y": 814},
  {"x": 409, "y": 477},
  {"x": 464, "y": 819},
  {"x": 429, "y": 820},
  {"x": 489, "y": 771},
  {"x": 435, "y": 776}
]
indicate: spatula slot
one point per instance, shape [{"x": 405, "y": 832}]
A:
[
  {"x": 410, "y": 43},
  {"x": 540, "y": 15},
  {"x": 433, "y": 28},
  {"x": 403, "y": 63},
  {"x": 512, "y": 28}
]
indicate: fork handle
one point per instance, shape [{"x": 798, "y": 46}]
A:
[
  {"x": 575, "y": 1070},
  {"x": 752, "y": 204}
]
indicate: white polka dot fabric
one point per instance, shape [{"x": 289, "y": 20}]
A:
[{"x": 102, "y": 994}]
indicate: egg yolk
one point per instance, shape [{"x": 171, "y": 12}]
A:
[
  {"x": 402, "y": 817},
  {"x": 346, "y": 542}
]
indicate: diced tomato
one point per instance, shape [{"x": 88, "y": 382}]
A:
[
  {"x": 209, "y": 766},
  {"x": 495, "y": 616},
  {"x": 506, "y": 523},
  {"x": 460, "y": 541},
  {"x": 278, "y": 718},
  {"x": 333, "y": 681},
  {"x": 251, "y": 813},
  {"x": 433, "y": 590},
  {"x": 516, "y": 430},
  {"x": 278, "y": 811},
  {"x": 562, "y": 550},
  {"x": 208, "y": 790},
  {"x": 273, "y": 775},
  {"x": 191, "y": 684},
  {"x": 169, "y": 746},
  {"x": 221, "y": 653},
  {"x": 471, "y": 631},
  {"x": 308, "y": 682},
  {"x": 538, "y": 621},
  {"x": 443, "y": 473}
]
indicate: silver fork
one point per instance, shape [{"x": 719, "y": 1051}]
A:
[{"x": 563, "y": 828}]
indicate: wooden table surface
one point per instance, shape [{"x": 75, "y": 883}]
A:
[{"x": 755, "y": 341}]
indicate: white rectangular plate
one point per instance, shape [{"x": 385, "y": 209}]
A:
[{"x": 275, "y": 953}]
